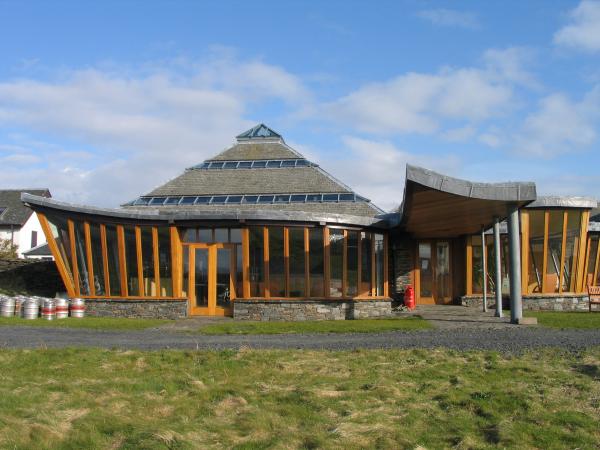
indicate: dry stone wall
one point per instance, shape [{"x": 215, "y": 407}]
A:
[{"x": 142, "y": 309}]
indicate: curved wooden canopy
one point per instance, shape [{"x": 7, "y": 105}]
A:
[{"x": 438, "y": 206}]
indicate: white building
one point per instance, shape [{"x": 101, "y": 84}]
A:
[{"x": 19, "y": 224}]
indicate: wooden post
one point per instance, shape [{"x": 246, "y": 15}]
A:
[
  {"x": 88, "y": 251},
  {"x": 105, "y": 260},
  {"x": 326, "y": 287},
  {"x": 176, "y": 261},
  {"x": 246, "y": 261},
  {"x": 585, "y": 217},
  {"x": 140, "y": 268},
  {"x": 524, "y": 251},
  {"x": 563, "y": 251},
  {"x": 60, "y": 264},
  {"x": 156, "y": 261},
  {"x": 306, "y": 262},
  {"x": 122, "y": 260},
  {"x": 73, "y": 250},
  {"x": 267, "y": 292},
  {"x": 469, "y": 271}
]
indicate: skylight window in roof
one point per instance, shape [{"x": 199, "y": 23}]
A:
[
  {"x": 202, "y": 200},
  {"x": 288, "y": 163},
  {"x": 259, "y": 164},
  {"x": 313, "y": 198},
  {"x": 330, "y": 197},
  {"x": 2, "y": 209},
  {"x": 216, "y": 165},
  {"x": 219, "y": 199},
  {"x": 273, "y": 164},
  {"x": 230, "y": 165},
  {"x": 346, "y": 197},
  {"x": 250, "y": 199},
  {"x": 234, "y": 199},
  {"x": 298, "y": 198},
  {"x": 302, "y": 163},
  {"x": 282, "y": 198},
  {"x": 172, "y": 200},
  {"x": 265, "y": 199},
  {"x": 205, "y": 165},
  {"x": 157, "y": 200},
  {"x": 141, "y": 201},
  {"x": 245, "y": 164},
  {"x": 187, "y": 200}
]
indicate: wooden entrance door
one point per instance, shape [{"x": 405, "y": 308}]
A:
[
  {"x": 433, "y": 283},
  {"x": 211, "y": 279}
]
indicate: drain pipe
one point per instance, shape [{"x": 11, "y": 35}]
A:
[{"x": 484, "y": 267}]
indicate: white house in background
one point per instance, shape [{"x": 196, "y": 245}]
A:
[{"x": 19, "y": 224}]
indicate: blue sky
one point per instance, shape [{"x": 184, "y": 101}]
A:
[{"x": 102, "y": 101}]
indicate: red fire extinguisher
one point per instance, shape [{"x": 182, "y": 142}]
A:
[{"x": 409, "y": 297}]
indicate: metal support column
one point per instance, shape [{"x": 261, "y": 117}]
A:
[
  {"x": 484, "y": 268},
  {"x": 498, "y": 274},
  {"x": 514, "y": 251}
]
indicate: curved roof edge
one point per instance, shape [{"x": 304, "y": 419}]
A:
[
  {"x": 238, "y": 215},
  {"x": 553, "y": 201},
  {"x": 508, "y": 192}
]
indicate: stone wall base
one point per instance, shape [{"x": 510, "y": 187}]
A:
[
  {"x": 136, "y": 309},
  {"x": 564, "y": 302},
  {"x": 299, "y": 310}
]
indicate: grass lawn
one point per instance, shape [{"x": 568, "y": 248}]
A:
[
  {"x": 97, "y": 323},
  {"x": 322, "y": 326},
  {"x": 561, "y": 319},
  {"x": 97, "y": 399}
]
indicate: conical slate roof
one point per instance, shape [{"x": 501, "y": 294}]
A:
[{"x": 259, "y": 172}]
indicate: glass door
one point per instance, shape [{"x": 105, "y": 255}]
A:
[
  {"x": 211, "y": 279},
  {"x": 434, "y": 274}
]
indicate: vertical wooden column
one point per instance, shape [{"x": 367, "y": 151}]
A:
[
  {"x": 359, "y": 271},
  {"x": 286, "y": 260},
  {"x": 266, "y": 262},
  {"x": 122, "y": 260},
  {"x": 386, "y": 287},
  {"x": 345, "y": 264},
  {"x": 524, "y": 251},
  {"x": 563, "y": 252},
  {"x": 246, "y": 261},
  {"x": 545, "y": 260},
  {"x": 469, "y": 265},
  {"x": 176, "y": 261},
  {"x": 306, "y": 262},
  {"x": 74, "y": 265},
  {"x": 326, "y": 266},
  {"x": 417, "y": 271},
  {"x": 140, "y": 268},
  {"x": 596, "y": 264},
  {"x": 579, "y": 280},
  {"x": 105, "y": 259},
  {"x": 88, "y": 251},
  {"x": 156, "y": 261},
  {"x": 373, "y": 268},
  {"x": 60, "y": 264}
]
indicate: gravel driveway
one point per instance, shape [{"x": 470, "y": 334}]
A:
[{"x": 510, "y": 340}]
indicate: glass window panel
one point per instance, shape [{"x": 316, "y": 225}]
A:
[
  {"x": 265, "y": 199},
  {"x": 185, "y": 272},
  {"x": 257, "y": 266},
  {"x": 216, "y": 165},
  {"x": 301, "y": 163},
  {"x": 187, "y": 200},
  {"x": 592, "y": 252},
  {"x": 259, "y": 164},
  {"x": 172, "y": 200},
  {"x": 282, "y": 198},
  {"x": 352, "y": 264},
  {"x": 250, "y": 199},
  {"x": 313, "y": 197},
  {"x": 272, "y": 164},
  {"x": 296, "y": 262},
  {"x": 224, "y": 277},
  {"x": 221, "y": 235},
  {"x": 219, "y": 199},
  {"x": 133, "y": 286},
  {"x": 425, "y": 270},
  {"x": 346, "y": 197},
  {"x": 276, "y": 262},
  {"x": 288, "y": 163},
  {"x": 148, "y": 262},
  {"x": 96, "y": 244},
  {"x": 201, "y": 277},
  {"x": 336, "y": 262},
  {"x": 164, "y": 262},
  {"x": 571, "y": 250},
  {"x": 379, "y": 265},
  {"x": 205, "y": 235},
  {"x": 555, "y": 235},
  {"x": 141, "y": 201},
  {"x": 536, "y": 251},
  {"x": 235, "y": 235},
  {"x": 477, "y": 273},
  {"x": 231, "y": 165},
  {"x": 80, "y": 251},
  {"x": 234, "y": 199},
  {"x": 202, "y": 200},
  {"x": 442, "y": 270},
  {"x": 157, "y": 201},
  {"x": 365, "y": 256},
  {"x": 245, "y": 164},
  {"x": 298, "y": 198},
  {"x": 239, "y": 270},
  {"x": 330, "y": 197},
  {"x": 60, "y": 230},
  {"x": 190, "y": 235},
  {"x": 315, "y": 260},
  {"x": 205, "y": 165},
  {"x": 114, "y": 274}
]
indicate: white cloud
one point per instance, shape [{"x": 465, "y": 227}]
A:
[
  {"x": 459, "y": 134},
  {"x": 135, "y": 130},
  {"x": 560, "y": 125},
  {"x": 510, "y": 65},
  {"x": 583, "y": 31},
  {"x": 416, "y": 103},
  {"x": 382, "y": 168},
  {"x": 450, "y": 18}
]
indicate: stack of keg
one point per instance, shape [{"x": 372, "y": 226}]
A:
[
  {"x": 77, "y": 308},
  {"x": 30, "y": 308},
  {"x": 62, "y": 308},
  {"x": 7, "y": 306},
  {"x": 51, "y": 308}
]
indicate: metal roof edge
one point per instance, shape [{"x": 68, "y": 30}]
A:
[{"x": 559, "y": 201}]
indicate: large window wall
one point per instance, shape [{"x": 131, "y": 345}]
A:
[
  {"x": 553, "y": 254},
  {"x": 592, "y": 273}
]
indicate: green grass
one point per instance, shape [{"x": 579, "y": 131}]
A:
[
  {"x": 97, "y": 399},
  {"x": 322, "y": 326},
  {"x": 96, "y": 323},
  {"x": 561, "y": 319}
]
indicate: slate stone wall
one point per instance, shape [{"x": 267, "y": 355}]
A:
[
  {"x": 401, "y": 265},
  {"x": 136, "y": 309},
  {"x": 564, "y": 302},
  {"x": 299, "y": 310}
]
